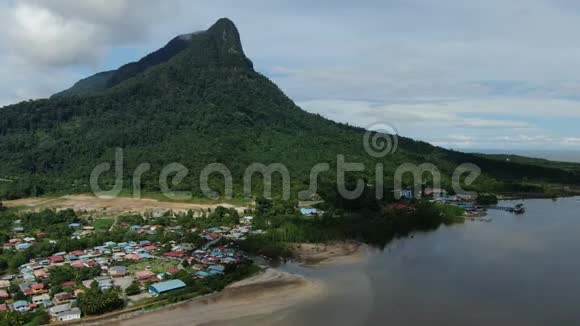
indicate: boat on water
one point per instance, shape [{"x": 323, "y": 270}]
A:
[{"x": 519, "y": 209}]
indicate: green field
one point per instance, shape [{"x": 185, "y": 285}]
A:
[
  {"x": 103, "y": 224},
  {"x": 157, "y": 265}
]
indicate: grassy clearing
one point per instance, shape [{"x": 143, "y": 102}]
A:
[
  {"x": 158, "y": 265},
  {"x": 103, "y": 224}
]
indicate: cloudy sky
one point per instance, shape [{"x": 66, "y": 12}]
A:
[{"x": 491, "y": 74}]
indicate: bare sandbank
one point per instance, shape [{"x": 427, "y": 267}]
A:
[
  {"x": 321, "y": 254},
  {"x": 266, "y": 293}
]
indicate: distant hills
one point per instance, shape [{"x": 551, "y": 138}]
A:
[{"x": 198, "y": 100}]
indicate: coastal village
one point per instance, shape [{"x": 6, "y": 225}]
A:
[{"x": 141, "y": 269}]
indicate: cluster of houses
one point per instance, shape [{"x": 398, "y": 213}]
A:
[
  {"x": 437, "y": 194},
  {"x": 239, "y": 232},
  {"x": 81, "y": 231},
  {"x": 60, "y": 306},
  {"x": 20, "y": 243},
  {"x": 23, "y": 243},
  {"x": 33, "y": 279},
  {"x": 213, "y": 261},
  {"x": 464, "y": 201}
]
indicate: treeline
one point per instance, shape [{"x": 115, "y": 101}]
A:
[{"x": 283, "y": 223}]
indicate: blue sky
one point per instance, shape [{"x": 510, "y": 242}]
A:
[{"x": 461, "y": 74}]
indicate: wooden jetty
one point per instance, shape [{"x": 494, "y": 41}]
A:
[{"x": 518, "y": 209}]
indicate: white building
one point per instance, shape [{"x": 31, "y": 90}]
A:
[
  {"x": 73, "y": 314},
  {"x": 40, "y": 299},
  {"x": 64, "y": 312}
]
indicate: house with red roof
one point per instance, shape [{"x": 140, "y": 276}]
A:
[
  {"x": 69, "y": 284},
  {"x": 175, "y": 254},
  {"x": 173, "y": 271},
  {"x": 56, "y": 259},
  {"x": 40, "y": 274},
  {"x": 132, "y": 257},
  {"x": 144, "y": 275},
  {"x": 77, "y": 253},
  {"x": 62, "y": 297},
  {"x": 37, "y": 288}
]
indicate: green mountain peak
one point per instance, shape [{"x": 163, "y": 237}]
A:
[{"x": 220, "y": 44}]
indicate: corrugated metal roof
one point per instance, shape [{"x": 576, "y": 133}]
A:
[
  {"x": 308, "y": 211},
  {"x": 167, "y": 286}
]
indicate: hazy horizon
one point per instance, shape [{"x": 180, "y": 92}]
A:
[{"x": 553, "y": 155}]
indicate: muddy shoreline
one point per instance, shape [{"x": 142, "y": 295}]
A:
[
  {"x": 265, "y": 293},
  {"x": 320, "y": 254}
]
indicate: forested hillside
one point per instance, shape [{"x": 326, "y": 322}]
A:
[{"x": 196, "y": 101}]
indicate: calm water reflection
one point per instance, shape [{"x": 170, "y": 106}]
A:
[{"x": 519, "y": 269}]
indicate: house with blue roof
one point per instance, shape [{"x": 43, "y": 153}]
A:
[
  {"x": 406, "y": 194},
  {"x": 28, "y": 276},
  {"x": 308, "y": 211},
  {"x": 166, "y": 286},
  {"x": 23, "y": 246},
  {"x": 20, "y": 306},
  {"x": 216, "y": 268},
  {"x": 202, "y": 274}
]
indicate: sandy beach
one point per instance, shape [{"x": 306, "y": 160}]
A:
[
  {"x": 263, "y": 294},
  {"x": 320, "y": 254}
]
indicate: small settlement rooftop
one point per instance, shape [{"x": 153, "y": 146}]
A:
[{"x": 166, "y": 286}]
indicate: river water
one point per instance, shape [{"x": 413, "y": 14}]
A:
[{"x": 516, "y": 270}]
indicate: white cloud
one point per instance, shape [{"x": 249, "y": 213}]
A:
[
  {"x": 57, "y": 32},
  {"x": 41, "y": 37},
  {"x": 479, "y": 123},
  {"x": 44, "y": 41}
]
